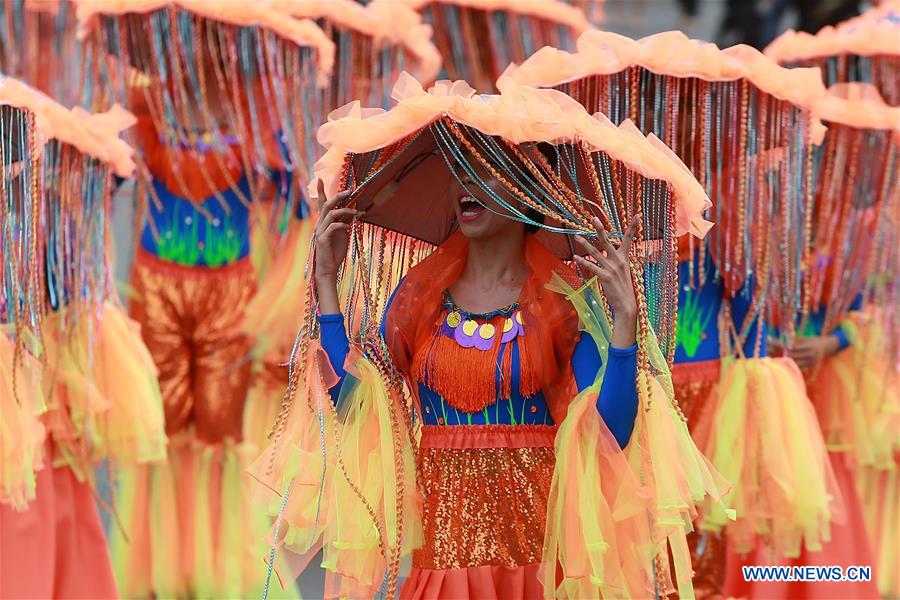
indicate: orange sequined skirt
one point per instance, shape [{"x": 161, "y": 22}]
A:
[{"x": 485, "y": 493}]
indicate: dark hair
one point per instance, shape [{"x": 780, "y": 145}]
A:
[{"x": 535, "y": 216}]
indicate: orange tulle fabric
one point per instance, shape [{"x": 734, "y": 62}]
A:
[
  {"x": 301, "y": 32},
  {"x": 760, "y": 430},
  {"x": 858, "y": 105},
  {"x": 670, "y": 53},
  {"x": 865, "y": 36},
  {"x": 519, "y": 115},
  {"x": 386, "y": 22},
  {"x": 93, "y": 134},
  {"x": 56, "y": 548},
  {"x": 22, "y": 433}
]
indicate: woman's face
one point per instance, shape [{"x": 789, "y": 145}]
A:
[{"x": 479, "y": 215}]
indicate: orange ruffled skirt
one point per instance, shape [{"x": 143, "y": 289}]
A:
[
  {"x": 486, "y": 490},
  {"x": 56, "y": 547}
]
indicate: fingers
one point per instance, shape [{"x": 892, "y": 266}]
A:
[
  {"x": 602, "y": 238},
  {"x": 630, "y": 233},
  {"x": 320, "y": 197},
  {"x": 325, "y": 204},
  {"x": 333, "y": 228},
  {"x": 339, "y": 215},
  {"x": 592, "y": 268},
  {"x": 588, "y": 248}
]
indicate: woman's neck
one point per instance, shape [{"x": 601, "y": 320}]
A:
[{"x": 494, "y": 274}]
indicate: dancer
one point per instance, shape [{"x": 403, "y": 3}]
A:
[
  {"x": 856, "y": 390},
  {"x": 227, "y": 101},
  {"x": 98, "y": 395},
  {"x": 709, "y": 105},
  {"x": 465, "y": 391}
]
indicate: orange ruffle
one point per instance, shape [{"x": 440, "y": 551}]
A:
[
  {"x": 554, "y": 11},
  {"x": 94, "y": 134},
  {"x": 488, "y": 582},
  {"x": 669, "y": 53},
  {"x": 301, "y": 32},
  {"x": 385, "y": 22},
  {"x": 868, "y": 35},
  {"x": 518, "y": 114},
  {"x": 858, "y": 105}
]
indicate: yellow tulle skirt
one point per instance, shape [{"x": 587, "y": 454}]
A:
[
  {"x": 879, "y": 490},
  {"x": 22, "y": 433},
  {"x": 187, "y": 526},
  {"x": 101, "y": 390},
  {"x": 761, "y": 433},
  {"x": 856, "y": 394}
]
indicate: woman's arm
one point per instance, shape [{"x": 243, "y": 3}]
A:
[{"x": 617, "y": 401}]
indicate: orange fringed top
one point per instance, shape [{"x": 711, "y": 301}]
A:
[{"x": 551, "y": 319}]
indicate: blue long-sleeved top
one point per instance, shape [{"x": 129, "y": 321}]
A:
[
  {"x": 815, "y": 325},
  {"x": 699, "y": 303},
  {"x": 617, "y": 401}
]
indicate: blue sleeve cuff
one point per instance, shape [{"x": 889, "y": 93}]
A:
[
  {"x": 626, "y": 352},
  {"x": 843, "y": 340}
]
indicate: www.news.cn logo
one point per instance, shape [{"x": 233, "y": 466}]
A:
[{"x": 807, "y": 573}]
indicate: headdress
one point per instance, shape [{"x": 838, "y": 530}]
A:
[
  {"x": 477, "y": 39},
  {"x": 864, "y": 49},
  {"x": 743, "y": 125},
  {"x": 373, "y": 43},
  {"x": 222, "y": 90},
  {"x": 38, "y": 45}
]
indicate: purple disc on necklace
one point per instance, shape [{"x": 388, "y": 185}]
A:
[
  {"x": 513, "y": 331},
  {"x": 463, "y": 339}
]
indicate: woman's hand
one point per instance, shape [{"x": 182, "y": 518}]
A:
[
  {"x": 808, "y": 352},
  {"x": 332, "y": 238},
  {"x": 613, "y": 271}
]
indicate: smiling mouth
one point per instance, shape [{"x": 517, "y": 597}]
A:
[{"x": 470, "y": 209}]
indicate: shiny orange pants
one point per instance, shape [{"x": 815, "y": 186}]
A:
[{"x": 190, "y": 320}]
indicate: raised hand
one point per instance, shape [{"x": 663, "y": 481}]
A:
[
  {"x": 613, "y": 271},
  {"x": 332, "y": 238}
]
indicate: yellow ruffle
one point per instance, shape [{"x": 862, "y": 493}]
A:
[
  {"x": 879, "y": 489},
  {"x": 339, "y": 482},
  {"x": 765, "y": 439},
  {"x": 188, "y": 527},
  {"x": 613, "y": 538},
  {"x": 276, "y": 311},
  {"x": 101, "y": 388},
  {"x": 21, "y": 431}
]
